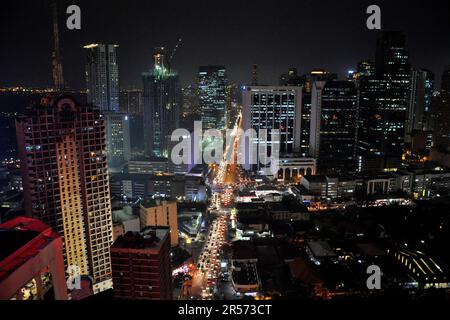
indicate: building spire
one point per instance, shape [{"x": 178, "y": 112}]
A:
[{"x": 58, "y": 78}]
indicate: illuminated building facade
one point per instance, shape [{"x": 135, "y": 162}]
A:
[
  {"x": 333, "y": 125},
  {"x": 273, "y": 108},
  {"x": 383, "y": 106},
  {"x": 65, "y": 180},
  {"x": 117, "y": 138},
  {"x": 162, "y": 99},
  {"x": 102, "y": 76},
  {"x": 212, "y": 90}
]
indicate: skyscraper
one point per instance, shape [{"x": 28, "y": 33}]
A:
[
  {"x": 212, "y": 83},
  {"x": 422, "y": 84},
  {"x": 117, "y": 138},
  {"x": 384, "y": 101},
  {"x": 277, "y": 108},
  {"x": 65, "y": 180},
  {"x": 162, "y": 99},
  {"x": 30, "y": 253},
  {"x": 333, "y": 125},
  {"x": 141, "y": 265},
  {"x": 132, "y": 104},
  {"x": 102, "y": 76}
]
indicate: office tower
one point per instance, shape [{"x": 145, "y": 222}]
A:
[
  {"x": 445, "y": 83},
  {"x": 384, "y": 101},
  {"x": 31, "y": 261},
  {"x": 293, "y": 79},
  {"x": 65, "y": 180},
  {"x": 131, "y": 102},
  {"x": 333, "y": 125},
  {"x": 441, "y": 120},
  {"x": 156, "y": 212},
  {"x": 270, "y": 108},
  {"x": 102, "y": 76},
  {"x": 117, "y": 138},
  {"x": 141, "y": 265},
  {"x": 162, "y": 98},
  {"x": 191, "y": 104},
  {"x": 212, "y": 83},
  {"x": 422, "y": 84}
]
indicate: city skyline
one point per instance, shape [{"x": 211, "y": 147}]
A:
[
  {"x": 300, "y": 38},
  {"x": 235, "y": 151}
]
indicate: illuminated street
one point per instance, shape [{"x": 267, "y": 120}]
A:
[{"x": 208, "y": 268}]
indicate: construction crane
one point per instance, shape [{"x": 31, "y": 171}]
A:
[{"x": 169, "y": 61}]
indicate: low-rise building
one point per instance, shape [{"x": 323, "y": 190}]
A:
[{"x": 157, "y": 213}]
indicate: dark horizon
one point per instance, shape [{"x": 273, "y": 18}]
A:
[{"x": 300, "y": 34}]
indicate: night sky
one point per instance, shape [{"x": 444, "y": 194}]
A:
[{"x": 275, "y": 35}]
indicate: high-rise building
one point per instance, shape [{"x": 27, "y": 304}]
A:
[
  {"x": 31, "y": 261},
  {"x": 102, "y": 76},
  {"x": 154, "y": 212},
  {"x": 191, "y": 104},
  {"x": 162, "y": 99},
  {"x": 212, "y": 83},
  {"x": 62, "y": 150},
  {"x": 131, "y": 102},
  {"x": 422, "y": 85},
  {"x": 292, "y": 78},
  {"x": 141, "y": 265},
  {"x": 445, "y": 83},
  {"x": 117, "y": 138},
  {"x": 383, "y": 106},
  {"x": 272, "y": 108},
  {"x": 333, "y": 125}
]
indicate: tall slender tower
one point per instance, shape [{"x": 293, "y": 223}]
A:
[
  {"x": 58, "y": 78},
  {"x": 162, "y": 99}
]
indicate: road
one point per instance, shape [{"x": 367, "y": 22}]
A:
[{"x": 207, "y": 273}]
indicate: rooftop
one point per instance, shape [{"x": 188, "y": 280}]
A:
[
  {"x": 21, "y": 239},
  {"x": 148, "y": 238}
]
